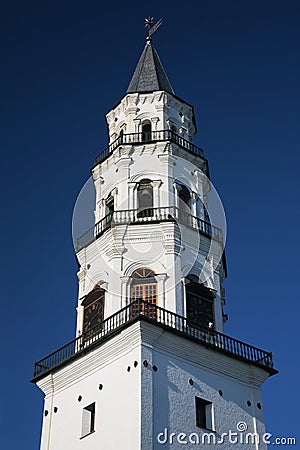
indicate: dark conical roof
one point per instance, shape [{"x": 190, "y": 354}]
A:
[{"x": 149, "y": 74}]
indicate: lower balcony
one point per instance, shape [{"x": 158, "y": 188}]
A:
[
  {"x": 143, "y": 310},
  {"x": 149, "y": 215}
]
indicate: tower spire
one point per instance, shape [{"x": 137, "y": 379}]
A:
[{"x": 149, "y": 74}]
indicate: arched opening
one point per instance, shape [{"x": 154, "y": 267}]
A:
[
  {"x": 146, "y": 131},
  {"x": 93, "y": 314},
  {"x": 145, "y": 198},
  {"x": 206, "y": 216},
  {"x": 143, "y": 293},
  {"x": 173, "y": 130},
  {"x": 201, "y": 210},
  {"x": 121, "y": 135},
  {"x": 199, "y": 303},
  {"x": 184, "y": 195},
  {"x": 202, "y": 213},
  {"x": 109, "y": 205},
  {"x": 173, "y": 133},
  {"x": 183, "y": 204}
]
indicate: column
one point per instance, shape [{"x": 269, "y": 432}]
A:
[
  {"x": 102, "y": 209},
  {"x": 123, "y": 165},
  {"x": 137, "y": 125},
  {"x": 131, "y": 195},
  {"x": 130, "y": 114},
  {"x": 176, "y": 194},
  {"x": 114, "y": 194},
  {"x": 81, "y": 278},
  {"x": 98, "y": 181},
  {"x": 194, "y": 203},
  {"x": 167, "y": 162},
  {"x": 199, "y": 181},
  {"x": 160, "y": 278},
  {"x": 125, "y": 291},
  {"x": 183, "y": 282},
  {"x": 194, "y": 209},
  {"x": 154, "y": 122},
  {"x": 156, "y": 197}
]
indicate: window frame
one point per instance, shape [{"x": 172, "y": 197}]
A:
[
  {"x": 98, "y": 294},
  {"x": 88, "y": 420},
  {"x": 205, "y": 409},
  {"x": 146, "y": 131},
  {"x": 109, "y": 205},
  {"x": 202, "y": 294},
  {"x": 184, "y": 196},
  {"x": 143, "y": 280},
  {"x": 145, "y": 210}
]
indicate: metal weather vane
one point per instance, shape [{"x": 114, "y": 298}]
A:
[{"x": 151, "y": 29}]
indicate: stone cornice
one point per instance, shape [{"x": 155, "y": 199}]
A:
[
  {"x": 156, "y": 338},
  {"x": 85, "y": 365},
  {"x": 197, "y": 354}
]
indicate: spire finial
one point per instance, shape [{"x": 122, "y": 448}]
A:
[{"x": 151, "y": 29}]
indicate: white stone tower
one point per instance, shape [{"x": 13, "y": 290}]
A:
[{"x": 150, "y": 366}]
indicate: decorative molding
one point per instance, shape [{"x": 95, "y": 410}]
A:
[
  {"x": 142, "y": 334},
  {"x": 167, "y": 159}
]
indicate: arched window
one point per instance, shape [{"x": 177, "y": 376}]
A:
[
  {"x": 146, "y": 131},
  {"x": 145, "y": 198},
  {"x": 199, "y": 303},
  {"x": 173, "y": 134},
  {"x": 202, "y": 213},
  {"x": 201, "y": 210},
  {"x": 143, "y": 293},
  {"x": 93, "y": 313},
  {"x": 184, "y": 195},
  {"x": 109, "y": 204},
  {"x": 121, "y": 134},
  {"x": 183, "y": 204}
]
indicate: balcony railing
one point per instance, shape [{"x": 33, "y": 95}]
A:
[
  {"x": 148, "y": 215},
  {"x": 141, "y": 310},
  {"x": 147, "y": 138}
]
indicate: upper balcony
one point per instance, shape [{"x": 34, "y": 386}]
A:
[
  {"x": 169, "y": 321},
  {"x": 149, "y": 215},
  {"x": 148, "y": 138}
]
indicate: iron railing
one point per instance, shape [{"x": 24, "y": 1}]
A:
[
  {"x": 161, "y": 214},
  {"x": 139, "y": 309},
  {"x": 148, "y": 137}
]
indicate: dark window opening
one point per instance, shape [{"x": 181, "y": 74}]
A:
[
  {"x": 173, "y": 129},
  {"x": 184, "y": 194},
  {"x": 145, "y": 198},
  {"x": 206, "y": 216},
  {"x": 199, "y": 304},
  {"x": 184, "y": 204},
  {"x": 110, "y": 206},
  {"x": 88, "y": 419},
  {"x": 203, "y": 413},
  {"x": 93, "y": 311},
  {"x": 202, "y": 211},
  {"x": 146, "y": 132}
]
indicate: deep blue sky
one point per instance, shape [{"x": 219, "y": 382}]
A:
[{"x": 64, "y": 64}]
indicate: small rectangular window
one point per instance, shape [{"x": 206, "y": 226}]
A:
[
  {"x": 88, "y": 420},
  {"x": 204, "y": 414}
]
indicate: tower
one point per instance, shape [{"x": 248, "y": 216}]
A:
[{"x": 150, "y": 365}]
